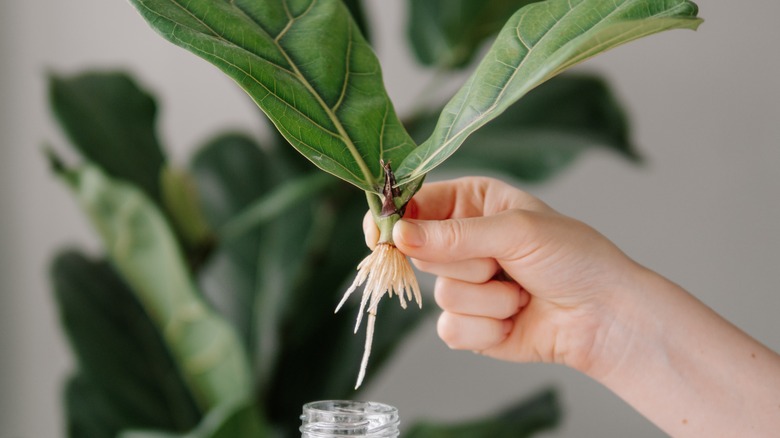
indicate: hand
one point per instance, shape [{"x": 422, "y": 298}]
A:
[{"x": 517, "y": 281}]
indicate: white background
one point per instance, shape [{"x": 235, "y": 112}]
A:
[{"x": 704, "y": 210}]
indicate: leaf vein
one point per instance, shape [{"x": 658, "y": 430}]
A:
[{"x": 346, "y": 71}]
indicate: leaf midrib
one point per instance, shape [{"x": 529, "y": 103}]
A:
[{"x": 336, "y": 122}]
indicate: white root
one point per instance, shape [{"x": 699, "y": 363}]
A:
[
  {"x": 385, "y": 270},
  {"x": 366, "y": 348}
]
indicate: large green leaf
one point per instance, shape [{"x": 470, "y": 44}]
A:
[
  {"x": 142, "y": 247},
  {"x": 87, "y": 413},
  {"x": 230, "y": 172},
  {"x": 111, "y": 121},
  {"x": 359, "y": 15},
  {"x": 182, "y": 204},
  {"x": 447, "y": 33},
  {"x": 264, "y": 217},
  {"x": 308, "y": 68},
  {"x": 538, "y": 413},
  {"x": 538, "y": 42},
  {"x": 126, "y": 377},
  {"x": 546, "y": 130}
]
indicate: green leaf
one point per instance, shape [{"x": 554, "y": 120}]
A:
[
  {"x": 229, "y": 421},
  {"x": 276, "y": 203},
  {"x": 359, "y": 15},
  {"x": 538, "y": 413},
  {"x": 538, "y": 42},
  {"x": 183, "y": 206},
  {"x": 126, "y": 377},
  {"x": 111, "y": 121},
  {"x": 259, "y": 260},
  {"x": 307, "y": 67},
  {"x": 447, "y": 33},
  {"x": 87, "y": 413},
  {"x": 142, "y": 247},
  {"x": 230, "y": 172},
  {"x": 546, "y": 130}
]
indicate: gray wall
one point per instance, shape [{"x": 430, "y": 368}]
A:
[{"x": 704, "y": 211}]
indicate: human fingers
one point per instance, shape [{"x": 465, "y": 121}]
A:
[
  {"x": 505, "y": 236},
  {"x": 472, "y": 271},
  {"x": 370, "y": 230},
  {"x": 493, "y": 299},
  {"x": 466, "y": 332},
  {"x": 469, "y": 197},
  {"x": 463, "y": 197},
  {"x": 460, "y": 198}
]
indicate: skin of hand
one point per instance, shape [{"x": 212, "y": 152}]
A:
[
  {"x": 518, "y": 281},
  {"x": 493, "y": 248}
]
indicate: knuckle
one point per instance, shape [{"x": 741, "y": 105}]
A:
[
  {"x": 510, "y": 300},
  {"x": 442, "y": 294},
  {"x": 481, "y": 184},
  {"x": 449, "y": 331},
  {"x": 451, "y": 233},
  {"x": 527, "y": 229}
]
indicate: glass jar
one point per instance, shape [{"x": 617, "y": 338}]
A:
[{"x": 338, "y": 418}]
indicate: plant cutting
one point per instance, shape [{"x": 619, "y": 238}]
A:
[
  {"x": 307, "y": 66},
  {"x": 206, "y": 315}
]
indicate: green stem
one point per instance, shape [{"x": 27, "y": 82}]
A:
[
  {"x": 407, "y": 191},
  {"x": 384, "y": 223},
  {"x": 275, "y": 203}
]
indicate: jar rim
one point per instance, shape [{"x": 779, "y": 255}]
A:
[
  {"x": 348, "y": 407},
  {"x": 349, "y": 418}
]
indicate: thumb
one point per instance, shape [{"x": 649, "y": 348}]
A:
[{"x": 505, "y": 236}]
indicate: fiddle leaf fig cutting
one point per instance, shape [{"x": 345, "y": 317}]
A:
[{"x": 307, "y": 66}]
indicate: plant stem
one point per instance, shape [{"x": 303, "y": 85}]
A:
[
  {"x": 385, "y": 223},
  {"x": 275, "y": 203}
]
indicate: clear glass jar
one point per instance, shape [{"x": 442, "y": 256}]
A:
[{"x": 338, "y": 418}]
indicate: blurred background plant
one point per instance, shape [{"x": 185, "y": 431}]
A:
[{"x": 210, "y": 313}]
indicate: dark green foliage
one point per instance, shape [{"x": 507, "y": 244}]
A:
[
  {"x": 112, "y": 123},
  {"x": 539, "y": 412},
  {"x": 446, "y": 34},
  {"x": 323, "y": 340},
  {"x": 229, "y": 421},
  {"x": 276, "y": 283},
  {"x": 125, "y": 377},
  {"x": 230, "y": 172},
  {"x": 545, "y": 131},
  {"x": 271, "y": 241}
]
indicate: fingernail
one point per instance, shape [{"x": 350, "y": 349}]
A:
[{"x": 410, "y": 233}]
